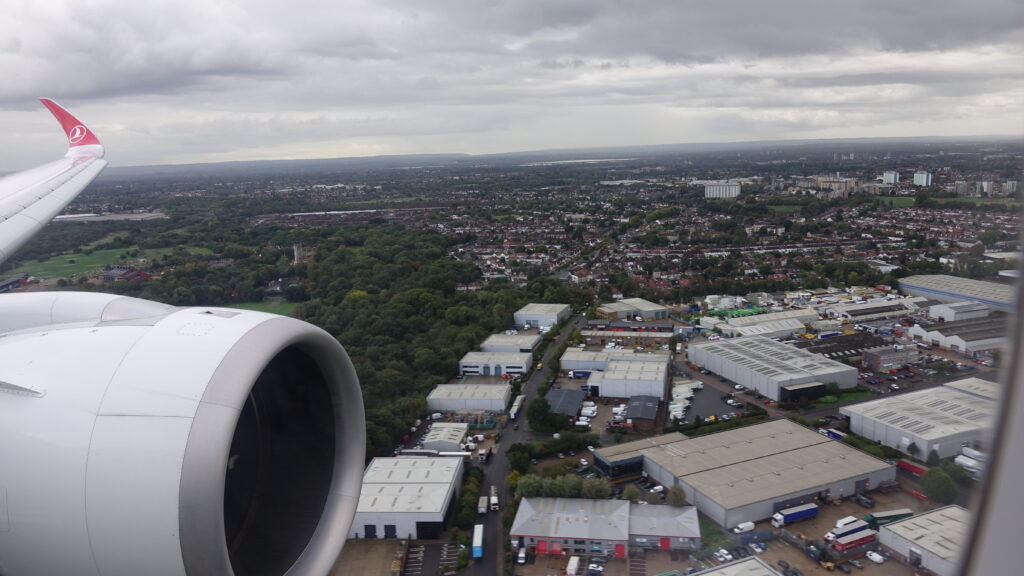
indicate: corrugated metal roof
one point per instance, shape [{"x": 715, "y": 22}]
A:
[{"x": 941, "y": 531}]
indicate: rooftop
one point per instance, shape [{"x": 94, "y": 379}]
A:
[
  {"x": 664, "y": 521},
  {"x": 752, "y": 566},
  {"x": 575, "y": 518},
  {"x": 446, "y": 432},
  {"x": 961, "y": 288},
  {"x": 408, "y": 484},
  {"x": 941, "y": 532},
  {"x": 932, "y": 413},
  {"x": 642, "y": 407},
  {"x": 753, "y": 463},
  {"x": 977, "y": 387},
  {"x": 535, "y": 308},
  {"x": 772, "y": 359},
  {"x": 565, "y": 401},
  {"x": 470, "y": 391},
  {"x": 517, "y": 340},
  {"x": 524, "y": 358}
]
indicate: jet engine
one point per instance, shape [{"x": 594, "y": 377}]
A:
[{"x": 140, "y": 438}]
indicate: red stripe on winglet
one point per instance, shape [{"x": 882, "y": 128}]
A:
[{"x": 78, "y": 134}]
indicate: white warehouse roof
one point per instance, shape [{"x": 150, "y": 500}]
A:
[
  {"x": 408, "y": 484},
  {"x": 772, "y": 359},
  {"x": 941, "y": 532},
  {"x": 502, "y": 358},
  {"x": 448, "y": 432},
  {"x": 535, "y": 309},
  {"x": 952, "y": 288},
  {"x": 519, "y": 341},
  {"x": 574, "y": 518},
  {"x": 470, "y": 392}
]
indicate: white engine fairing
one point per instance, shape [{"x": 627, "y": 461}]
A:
[{"x": 138, "y": 438}]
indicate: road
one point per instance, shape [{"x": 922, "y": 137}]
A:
[{"x": 496, "y": 471}]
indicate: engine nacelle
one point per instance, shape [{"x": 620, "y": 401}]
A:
[{"x": 138, "y": 438}]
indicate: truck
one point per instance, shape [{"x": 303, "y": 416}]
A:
[
  {"x": 481, "y": 505},
  {"x": 573, "y": 567},
  {"x": 478, "y": 541},
  {"x": 481, "y": 455},
  {"x": 794, "y": 514},
  {"x": 855, "y": 540},
  {"x": 878, "y": 519},
  {"x": 579, "y": 373},
  {"x": 851, "y": 528},
  {"x": 834, "y": 434},
  {"x": 494, "y": 498}
]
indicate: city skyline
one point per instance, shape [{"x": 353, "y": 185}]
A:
[{"x": 168, "y": 83}]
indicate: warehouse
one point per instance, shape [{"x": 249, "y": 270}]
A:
[
  {"x": 642, "y": 413},
  {"x": 571, "y": 526},
  {"x": 495, "y": 363},
  {"x": 752, "y": 566},
  {"x": 576, "y": 359},
  {"x": 565, "y": 401},
  {"x": 932, "y": 540},
  {"x": 526, "y": 343},
  {"x": 874, "y": 310},
  {"x": 469, "y": 398},
  {"x": 971, "y": 337},
  {"x": 889, "y": 358},
  {"x": 939, "y": 419},
  {"x": 406, "y": 497},
  {"x": 773, "y": 329},
  {"x": 622, "y": 378},
  {"x": 627, "y": 339},
  {"x": 541, "y": 314},
  {"x": 749, "y": 473},
  {"x": 445, "y": 436},
  {"x": 802, "y": 315},
  {"x": 632, "y": 309},
  {"x": 945, "y": 288},
  {"x": 954, "y": 311},
  {"x": 770, "y": 367}
]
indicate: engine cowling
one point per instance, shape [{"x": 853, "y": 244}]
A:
[{"x": 138, "y": 438}]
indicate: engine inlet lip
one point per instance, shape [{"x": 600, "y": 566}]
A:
[{"x": 204, "y": 466}]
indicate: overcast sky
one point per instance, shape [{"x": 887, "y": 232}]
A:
[{"x": 196, "y": 81}]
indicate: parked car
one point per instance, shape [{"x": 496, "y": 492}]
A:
[
  {"x": 875, "y": 557},
  {"x": 857, "y": 563},
  {"x": 783, "y": 564}
]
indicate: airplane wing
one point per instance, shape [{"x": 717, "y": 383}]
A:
[{"x": 30, "y": 199}]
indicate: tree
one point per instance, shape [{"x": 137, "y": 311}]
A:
[
  {"x": 596, "y": 489},
  {"x": 938, "y": 486},
  {"x": 933, "y": 458},
  {"x": 631, "y": 493},
  {"x": 529, "y": 486},
  {"x": 676, "y": 497},
  {"x": 913, "y": 450},
  {"x": 538, "y": 413},
  {"x": 519, "y": 461}
]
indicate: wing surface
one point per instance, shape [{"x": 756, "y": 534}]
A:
[{"x": 31, "y": 198}]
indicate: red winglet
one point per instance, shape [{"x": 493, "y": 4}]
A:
[{"x": 78, "y": 134}]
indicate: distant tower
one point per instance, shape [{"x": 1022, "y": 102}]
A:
[
  {"x": 922, "y": 179},
  {"x": 890, "y": 177},
  {"x": 296, "y": 251}
]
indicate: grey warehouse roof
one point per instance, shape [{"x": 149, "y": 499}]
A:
[
  {"x": 517, "y": 340},
  {"x": 524, "y": 358},
  {"x": 565, "y": 401},
  {"x": 446, "y": 432},
  {"x": 642, "y": 407},
  {"x": 941, "y": 532},
  {"x": 931, "y": 414},
  {"x": 772, "y": 359},
  {"x": 946, "y": 286},
  {"x": 407, "y": 484},
  {"x": 753, "y": 463},
  {"x": 664, "y": 521},
  {"x": 752, "y": 566},
  {"x": 538, "y": 309},
  {"x": 470, "y": 391},
  {"x": 574, "y": 518}
]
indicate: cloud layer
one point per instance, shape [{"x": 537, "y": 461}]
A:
[{"x": 166, "y": 82}]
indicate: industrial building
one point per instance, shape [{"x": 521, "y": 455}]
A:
[
  {"x": 945, "y": 288},
  {"x": 889, "y": 358},
  {"x": 445, "y": 436},
  {"x": 642, "y": 412},
  {"x": 541, "y": 314},
  {"x": 565, "y": 401},
  {"x": 747, "y": 474},
  {"x": 406, "y": 497},
  {"x": 632, "y": 309},
  {"x": 626, "y": 338},
  {"x": 802, "y": 315},
  {"x": 719, "y": 190},
  {"x": 953, "y": 311},
  {"x": 495, "y": 363},
  {"x": 932, "y": 540},
  {"x": 876, "y": 309},
  {"x": 786, "y": 328},
  {"x": 939, "y": 419},
  {"x": 776, "y": 370},
  {"x": 526, "y": 343},
  {"x": 843, "y": 346},
  {"x": 469, "y": 398},
  {"x": 626, "y": 378},
  {"x": 972, "y": 337},
  {"x": 752, "y": 566},
  {"x": 571, "y": 526}
]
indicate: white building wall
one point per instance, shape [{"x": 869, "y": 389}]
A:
[{"x": 404, "y": 523}]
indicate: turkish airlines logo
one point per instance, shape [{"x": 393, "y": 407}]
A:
[{"x": 76, "y": 134}]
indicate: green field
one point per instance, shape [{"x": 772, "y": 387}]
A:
[
  {"x": 67, "y": 265},
  {"x": 898, "y": 201},
  {"x": 783, "y": 208},
  {"x": 283, "y": 307}
]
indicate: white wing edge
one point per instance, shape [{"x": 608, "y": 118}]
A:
[{"x": 30, "y": 199}]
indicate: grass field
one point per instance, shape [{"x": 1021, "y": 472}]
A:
[
  {"x": 898, "y": 201},
  {"x": 67, "y": 265},
  {"x": 783, "y": 208},
  {"x": 283, "y": 307}
]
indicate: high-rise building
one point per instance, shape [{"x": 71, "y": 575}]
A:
[
  {"x": 721, "y": 190},
  {"x": 962, "y": 188},
  {"x": 922, "y": 179},
  {"x": 890, "y": 177},
  {"x": 1009, "y": 188}
]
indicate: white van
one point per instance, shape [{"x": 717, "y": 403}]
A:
[
  {"x": 522, "y": 556},
  {"x": 743, "y": 527}
]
